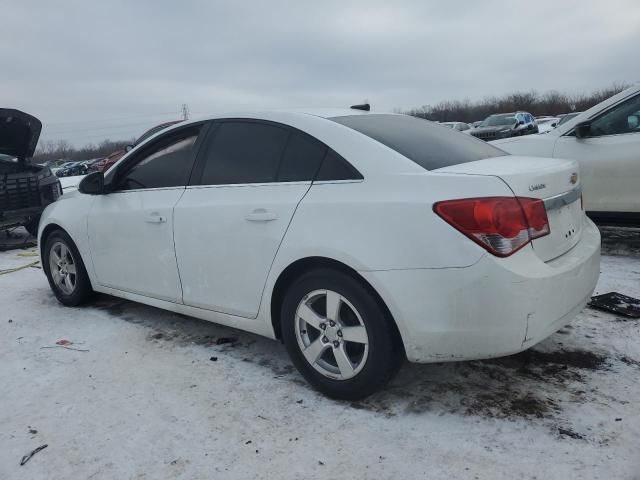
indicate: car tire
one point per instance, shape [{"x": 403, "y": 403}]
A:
[
  {"x": 65, "y": 270},
  {"x": 331, "y": 350}
]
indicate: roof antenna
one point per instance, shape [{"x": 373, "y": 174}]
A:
[{"x": 365, "y": 106}]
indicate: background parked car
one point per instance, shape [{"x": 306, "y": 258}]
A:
[
  {"x": 25, "y": 189},
  {"x": 504, "y": 125},
  {"x": 72, "y": 169},
  {"x": 605, "y": 140},
  {"x": 106, "y": 163},
  {"x": 547, "y": 123},
  {"x": 460, "y": 126}
]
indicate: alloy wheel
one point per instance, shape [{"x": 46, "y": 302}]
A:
[
  {"x": 331, "y": 334},
  {"x": 63, "y": 268}
]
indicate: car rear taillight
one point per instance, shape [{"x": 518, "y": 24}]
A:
[{"x": 502, "y": 225}]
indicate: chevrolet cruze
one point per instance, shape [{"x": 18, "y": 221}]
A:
[{"x": 358, "y": 239}]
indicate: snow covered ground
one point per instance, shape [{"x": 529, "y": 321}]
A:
[{"x": 155, "y": 396}]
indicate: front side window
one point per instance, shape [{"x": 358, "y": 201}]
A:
[
  {"x": 243, "y": 152},
  {"x": 165, "y": 163},
  {"x": 421, "y": 141},
  {"x": 622, "y": 118}
]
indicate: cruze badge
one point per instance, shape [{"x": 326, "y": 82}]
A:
[
  {"x": 537, "y": 186},
  {"x": 574, "y": 178}
]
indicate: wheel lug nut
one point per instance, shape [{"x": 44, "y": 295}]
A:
[
  {"x": 323, "y": 326},
  {"x": 336, "y": 344},
  {"x": 325, "y": 339},
  {"x": 332, "y": 323},
  {"x": 339, "y": 333}
]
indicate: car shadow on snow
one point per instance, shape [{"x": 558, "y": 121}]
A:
[{"x": 534, "y": 384}]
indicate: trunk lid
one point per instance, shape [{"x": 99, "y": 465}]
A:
[
  {"x": 19, "y": 133},
  {"x": 554, "y": 181}
]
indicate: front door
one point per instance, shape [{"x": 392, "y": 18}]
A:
[{"x": 131, "y": 227}]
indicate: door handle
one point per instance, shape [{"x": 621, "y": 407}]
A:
[
  {"x": 261, "y": 215},
  {"x": 155, "y": 218}
]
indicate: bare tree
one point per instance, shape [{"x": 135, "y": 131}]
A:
[{"x": 549, "y": 103}]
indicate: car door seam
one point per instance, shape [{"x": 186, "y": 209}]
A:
[
  {"x": 175, "y": 250},
  {"x": 273, "y": 260}
]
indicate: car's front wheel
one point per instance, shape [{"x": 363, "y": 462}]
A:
[
  {"x": 338, "y": 336},
  {"x": 65, "y": 269}
]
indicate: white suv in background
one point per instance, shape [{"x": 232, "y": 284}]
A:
[{"x": 605, "y": 140}]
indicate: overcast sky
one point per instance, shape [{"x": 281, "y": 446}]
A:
[{"x": 95, "y": 69}]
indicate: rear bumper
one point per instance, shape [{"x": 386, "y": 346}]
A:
[{"x": 496, "y": 307}]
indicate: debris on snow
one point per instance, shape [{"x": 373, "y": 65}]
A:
[
  {"x": 66, "y": 344},
  {"x": 27, "y": 457},
  {"x": 615, "y": 302}
]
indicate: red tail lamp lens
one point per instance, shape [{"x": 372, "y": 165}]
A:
[{"x": 502, "y": 225}]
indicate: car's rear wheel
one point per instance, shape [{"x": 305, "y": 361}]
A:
[
  {"x": 65, "y": 270},
  {"x": 338, "y": 336}
]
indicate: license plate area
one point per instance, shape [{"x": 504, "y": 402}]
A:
[{"x": 565, "y": 225}]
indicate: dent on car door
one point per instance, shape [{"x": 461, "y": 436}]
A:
[
  {"x": 609, "y": 158},
  {"x": 131, "y": 227}
]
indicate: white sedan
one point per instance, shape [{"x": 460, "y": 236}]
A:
[
  {"x": 605, "y": 140},
  {"x": 358, "y": 239}
]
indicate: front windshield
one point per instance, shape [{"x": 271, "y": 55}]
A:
[{"x": 497, "y": 120}]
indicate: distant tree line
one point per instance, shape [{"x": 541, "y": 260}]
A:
[
  {"x": 537, "y": 104},
  {"x": 62, "y": 149}
]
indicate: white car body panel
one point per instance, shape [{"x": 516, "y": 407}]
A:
[
  {"x": 449, "y": 298},
  {"x": 239, "y": 230},
  {"x": 610, "y": 164},
  {"x": 143, "y": 221}
]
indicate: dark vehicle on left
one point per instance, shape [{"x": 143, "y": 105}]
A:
[
  {"x": 25, "y": 188},
  {"x": 505, "y": 125}
]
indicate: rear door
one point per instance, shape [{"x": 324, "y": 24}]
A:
[
  {"x": 131, "y": 228},
  {"x": 609, "y": 158},
  {"x": 229, "y": 224}
]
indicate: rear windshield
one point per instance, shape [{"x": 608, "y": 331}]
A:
[{"x": 428, "y": 144}]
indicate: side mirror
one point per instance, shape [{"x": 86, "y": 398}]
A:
[
  {"x": 583, "y": 129},
  {"x": 92, "y": 184},
  {"x": 128, "y": 148},
  {"x": 521, "y": 122}
]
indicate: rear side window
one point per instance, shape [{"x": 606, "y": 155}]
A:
[
  {"x": 244, "y": 152},
  {"x": 301, "y": 159},
  {"x": 335, "y": 167},
  {"x": 429, "y": 145}
]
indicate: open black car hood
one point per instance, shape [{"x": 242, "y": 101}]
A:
[{"x": 19, "y": 133}]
